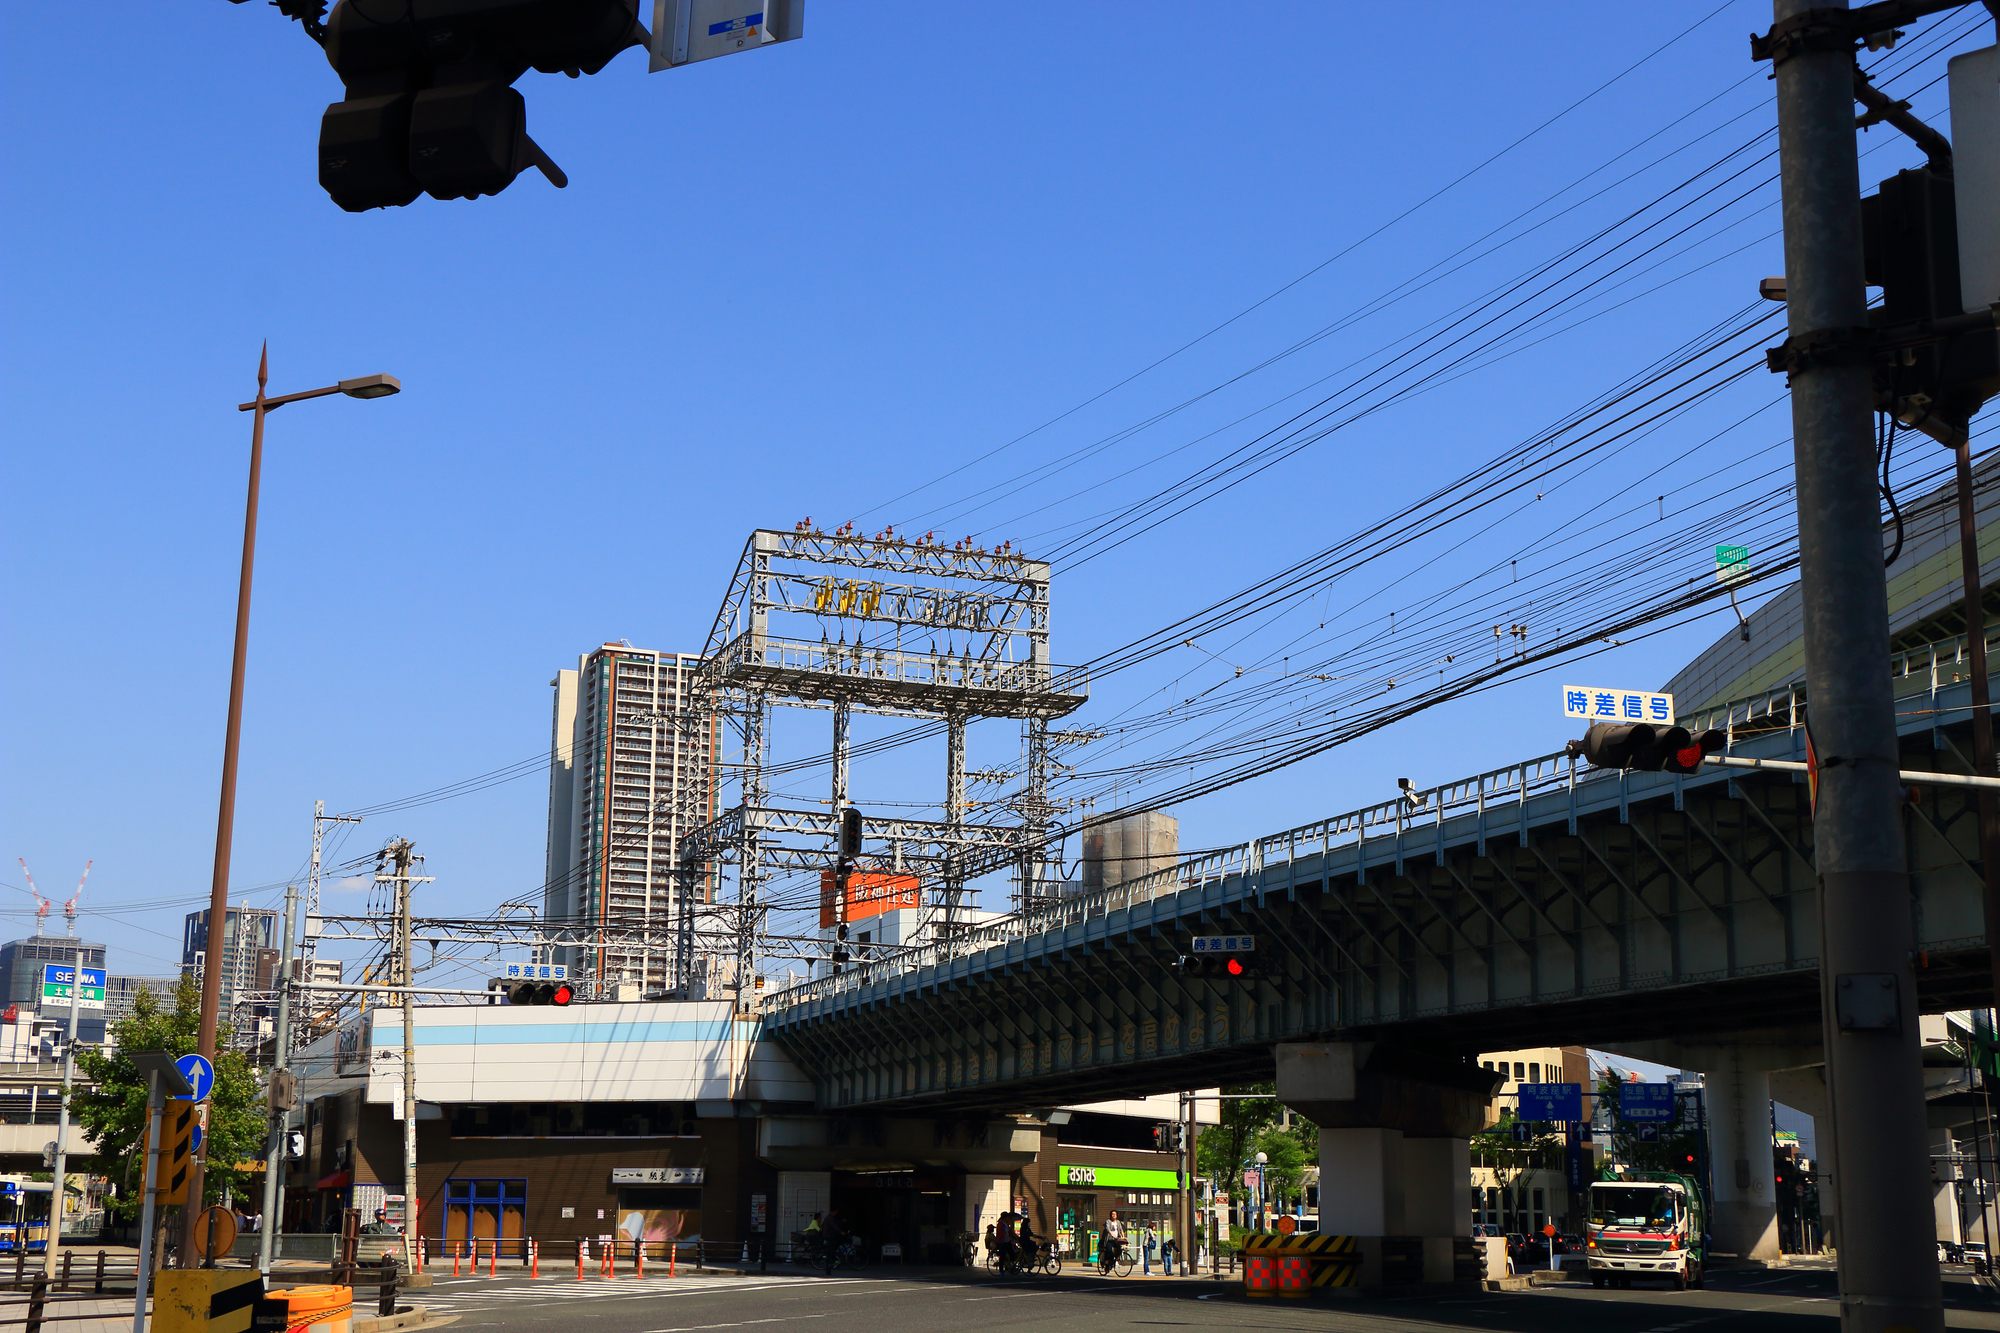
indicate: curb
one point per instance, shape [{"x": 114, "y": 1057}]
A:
[{"x": 415, "y": 1316}]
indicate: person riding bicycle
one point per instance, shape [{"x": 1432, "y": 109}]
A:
[
  {"x": 1030, "y": 1243},
  {"x": 1007, "y": 1237},
  {"x": 1112, "y": 1244},
  {"x": 815, "y": 1237}
]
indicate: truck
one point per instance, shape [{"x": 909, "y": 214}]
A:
[{"x": 1647, "y": 1224}]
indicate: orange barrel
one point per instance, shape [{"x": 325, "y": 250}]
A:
[
  {"x": 1294, "y": 1275},
  {"x": 318, "y": 1309},
  {"x": 1259, "y": 1275}
]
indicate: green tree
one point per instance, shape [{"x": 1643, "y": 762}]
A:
[
  {"x": 1285, "y": 1167},
  {"x": 111, "y": 1106},
  {"x": 1676, "y": 1147},
  {"x": 1508, "y": 1157},
  {"x": 1221, "y": 1148}
]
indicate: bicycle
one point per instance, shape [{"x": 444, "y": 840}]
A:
[
  {"x": 851, "y": 1253},
  {"x": 1118, "y": 1265}
]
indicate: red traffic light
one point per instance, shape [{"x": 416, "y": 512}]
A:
[
  {"x": 563, "y": 994},
  {"x": 1234, "y": 967}
]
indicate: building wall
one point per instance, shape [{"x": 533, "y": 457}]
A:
[{"x": 621, "y": 784}]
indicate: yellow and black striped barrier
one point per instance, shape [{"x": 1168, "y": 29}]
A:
[{"x": 1331, "y": 1261}]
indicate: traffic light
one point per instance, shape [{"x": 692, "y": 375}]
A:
[
  {"x": 1909, "y": 241},
  {"x": 850, "y": 833},
  {"x": 1163, "y": 1138},
  {"x": 1648, "y": 749},
  {"x": 430, "y": 106},
  {"x": 541, "y": 992},
  {"x": 1216, "y": 966},
  {"x": 295, "y": 1143},
  {"x": 176, "y": 1150}
]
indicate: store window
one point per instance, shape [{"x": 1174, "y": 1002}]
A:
[
  {"x": 482, "y": 1210},
  {"x": 657, "y": 1215}
]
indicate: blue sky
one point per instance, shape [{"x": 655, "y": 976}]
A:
[{"x": 807, "y": 281}]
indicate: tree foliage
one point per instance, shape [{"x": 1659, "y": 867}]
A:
[
  {"x": 111, "y": 1108},
  {"x": 1676, "y": 1148},
  {"x": 1254, "y": 1126}
]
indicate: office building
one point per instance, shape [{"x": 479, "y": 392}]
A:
[
  {"x": 22, "y": 965},
  {"x": 629, "y": 773}
]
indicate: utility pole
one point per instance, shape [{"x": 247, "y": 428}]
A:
[
  {"x": 404, "y": 853},
  {"x": 282, "y": 1095},
  {"x": 1888, "y": 1270},
  {"x": 58, "y": 1196}
]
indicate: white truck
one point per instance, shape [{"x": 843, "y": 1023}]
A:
[{"x": 1647, "y": 1224}]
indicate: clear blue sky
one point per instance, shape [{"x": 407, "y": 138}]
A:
[{"x": 802, "y": 281}]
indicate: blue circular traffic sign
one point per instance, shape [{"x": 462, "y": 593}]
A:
[{"x": 200, "y": 1075}]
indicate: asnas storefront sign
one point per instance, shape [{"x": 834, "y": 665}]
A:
[{"x": 1118, "y": 1178}]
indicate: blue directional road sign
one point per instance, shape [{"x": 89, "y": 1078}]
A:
[
  {"x": 194, "y": 1143},
  {"x": 200, "y": 1075},
  {"x": 1646, "y": 1102},
  {"x": 1649, "y": 1133},
  {"x": 1551, "y": 1101}
]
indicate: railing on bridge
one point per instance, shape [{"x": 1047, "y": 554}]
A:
[{"x": 1780, "y": 709}]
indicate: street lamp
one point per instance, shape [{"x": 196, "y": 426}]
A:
[
  {"x": 368, "y": 386},
  {"x": 1263, "y": 1160}
]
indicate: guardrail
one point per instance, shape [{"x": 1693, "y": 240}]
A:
[{"x": 1493, "y": 799}]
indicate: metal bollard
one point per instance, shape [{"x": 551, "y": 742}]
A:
[
  {"x": 36, "y": 1301},
  {"x": 99, "y": 1289}
]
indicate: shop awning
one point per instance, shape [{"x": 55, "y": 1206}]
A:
[{"x": 338, "y": 1180}]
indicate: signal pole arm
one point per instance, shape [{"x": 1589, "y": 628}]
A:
[{"x": 307, "y": 13}]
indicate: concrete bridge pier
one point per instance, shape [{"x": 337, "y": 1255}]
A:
[
  {"x": 1394, "y": 1161},
  {"x": 1739, "y": 1142}
]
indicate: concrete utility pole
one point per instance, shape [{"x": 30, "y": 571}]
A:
[
  {"x": 1868, "y": 993},
  {"x": 405, "y": 852},
  {"x": 58, "y": 1196},
  {"x": 280, "y": 1105}
]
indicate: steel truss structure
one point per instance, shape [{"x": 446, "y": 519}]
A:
[{"x": 943, "y": 634}]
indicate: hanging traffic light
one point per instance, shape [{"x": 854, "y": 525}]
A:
[
  {"x": 1216, "y": 966},
  {"x": 850, "y": 832},
  {"x": 430, "y": 106},
  {"x": 541, "y": 992},
  {"x": 1648, "y": 749}
]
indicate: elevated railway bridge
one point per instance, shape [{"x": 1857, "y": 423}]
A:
[{"x": 1540, "y": 903}]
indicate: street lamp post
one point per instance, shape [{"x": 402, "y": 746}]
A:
[{"x": 368, "y": 386}]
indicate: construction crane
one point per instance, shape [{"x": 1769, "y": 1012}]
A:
[
  {"x": 41, "y": 903},
  {"x": 69, "y": 908}
]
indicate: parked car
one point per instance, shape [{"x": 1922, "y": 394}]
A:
[
  {"x": 1487, "y": 1229},
  {"x": 1517, "y": 1248},
  {"x": 1975, "y": 1254}
]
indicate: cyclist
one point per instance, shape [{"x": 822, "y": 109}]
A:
[
  {"x": 815, "y": 1237},
  {"x": 1031, "y": 1245},
  {"x": 1010, "y": 1252},
  {"x": 1114, "y": 1241}
]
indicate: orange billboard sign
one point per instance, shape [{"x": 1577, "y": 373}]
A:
[{"x": 869, "y": 893}]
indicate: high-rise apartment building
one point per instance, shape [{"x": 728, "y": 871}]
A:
[
  {"x": 629, "y": 773},
  {"x": 248, "y": 952}
]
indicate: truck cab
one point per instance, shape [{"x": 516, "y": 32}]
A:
[{"x": 1648, "y": 1224}]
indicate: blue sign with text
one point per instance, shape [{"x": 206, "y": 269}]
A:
[
  {"x": 1646, "y": 1102},
  {"x": 1551, "y": 1101}
]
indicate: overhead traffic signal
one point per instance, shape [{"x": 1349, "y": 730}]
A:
[
  {"x": 1648, "y": 749},
  {"x": 1216, "y": 966},
  {"x": 430, "y": 106},
  {"x": 537, "y": 992}
]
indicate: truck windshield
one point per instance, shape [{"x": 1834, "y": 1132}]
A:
[{"x": 1632, "y": 1206}]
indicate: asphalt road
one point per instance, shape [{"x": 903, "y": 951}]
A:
[{"x": 923, "y": 1300}]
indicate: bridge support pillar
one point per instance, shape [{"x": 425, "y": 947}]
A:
[
  {"x": 1394, "y": 1161},
  {"x": 1739, "y": 1143},
  {"x": 1361, "y": 1190},
  {"x": 1804, "y": 1089}
]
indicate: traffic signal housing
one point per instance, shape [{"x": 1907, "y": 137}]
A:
[
  {"x": 538, "y": 992},
  {"x": 1216, "y": 966},
  {"x": 1647, "y": 749},
  {"x": 1909, "y": 241},
  {"x": 430, "y": 106}
]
